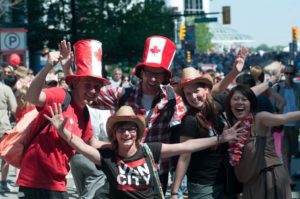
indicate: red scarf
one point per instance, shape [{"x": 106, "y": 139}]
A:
[{"x": 236, "y": 146}]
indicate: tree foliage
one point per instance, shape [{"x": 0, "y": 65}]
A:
[
  {"x": 121, "y": 25},
  {"x": 203, "y": 38}
]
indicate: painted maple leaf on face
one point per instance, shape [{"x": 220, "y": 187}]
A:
[
  {"x": 155, "y": 50},
  {"x": 98, "y": 54}
]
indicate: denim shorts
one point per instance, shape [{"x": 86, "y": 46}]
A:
[{"x": 33, "y": 193}]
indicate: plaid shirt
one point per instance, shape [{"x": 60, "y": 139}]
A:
[{"x": 158, "y": 125}]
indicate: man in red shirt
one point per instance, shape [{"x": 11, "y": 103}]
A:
[{"x": 46, "y": 161}]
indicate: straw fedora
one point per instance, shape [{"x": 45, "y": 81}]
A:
[
  {"x": 126, "y": 114},
  {"x": 190, "y": 76},
  {"x": 21, "y": 71}
]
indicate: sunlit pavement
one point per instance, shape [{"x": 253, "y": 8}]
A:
[
  {"x": 14, "y": 194},
  {"x": 73, "y": 195}
]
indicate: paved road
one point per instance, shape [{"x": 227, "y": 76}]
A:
[
  {"x": 13, "y": 195},
  {"x": 73, "y": 195}
]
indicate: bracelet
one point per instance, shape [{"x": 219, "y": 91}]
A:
[{"x": 174, "y": 194}]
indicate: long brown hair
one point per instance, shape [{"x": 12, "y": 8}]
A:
[{"x": 209, "y": 112}]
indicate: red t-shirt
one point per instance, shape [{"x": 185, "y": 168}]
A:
[{"x": 46, "y": 161}]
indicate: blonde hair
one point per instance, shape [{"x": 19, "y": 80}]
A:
[{"x": 20, "y": 96}]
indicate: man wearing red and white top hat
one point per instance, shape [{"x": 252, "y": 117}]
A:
[
  {"x": 46, "y": 161},
  {"x": 153, "y": 97}
]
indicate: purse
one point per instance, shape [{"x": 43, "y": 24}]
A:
[
  {"x": 153, "y": 169},
  {"x": 14, "y": 143}
]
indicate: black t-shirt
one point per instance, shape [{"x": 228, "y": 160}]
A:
[
  {"x": 130, "y": 177},
  {"x": 206, "y": 166}
]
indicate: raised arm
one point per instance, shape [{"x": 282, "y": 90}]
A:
[
  {"x": 66, "y": 56},
  {"x": 266, "y": 119},
  {"x": 199, "y": 144},
  {"x": 236, "y": 69},
  {"x": 58, "y": 122},
  {"x": 35, "y": 94},
  {"x": 262, "y": 87},
  {"x": 280, "y": 102}
]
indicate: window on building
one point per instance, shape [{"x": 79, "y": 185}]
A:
[{"x": 193, "y": 6}]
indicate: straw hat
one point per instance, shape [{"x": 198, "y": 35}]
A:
[
  {"x": 126, "y": 114},
  {"x": 190, "y": 76},
  {"x": 158, "y": 52},
  {"x": 21, "y": 71}
]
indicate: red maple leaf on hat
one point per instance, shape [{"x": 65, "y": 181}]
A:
[
  {"x": 98, "y": 54},
  {"x": 155, "y": 50}
]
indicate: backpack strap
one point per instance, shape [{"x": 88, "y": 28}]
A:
[{"x": 151, "y": 164}]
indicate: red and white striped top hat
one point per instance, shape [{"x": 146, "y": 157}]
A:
[
  {"x": 159, "y": 52},
  {"x": 88, "y": 60}
]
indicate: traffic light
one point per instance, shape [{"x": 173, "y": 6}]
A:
[
  {"x": 226, "y": 14},
  {"x": 181, "y": 31},
  {"x": 188, "y": 56},
  {"x": 295, "y": 33}
]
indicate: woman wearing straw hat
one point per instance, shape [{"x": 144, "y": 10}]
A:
[
  {"x": 128, "y": 167},
  {"x": 203, "y": 168}
]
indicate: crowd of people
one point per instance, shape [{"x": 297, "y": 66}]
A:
[{"x": 123, "y": 139}]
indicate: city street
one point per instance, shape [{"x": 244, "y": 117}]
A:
[{"x": 73, "y": 195}]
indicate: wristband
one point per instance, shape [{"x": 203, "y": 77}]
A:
[{"x": 174, "y": 194}]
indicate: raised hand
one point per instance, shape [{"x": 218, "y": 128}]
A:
[
  {"x": 66, "y": 54},
  {"x": 240, "y": 59},
  {"x": 232, "y": 133},
  {"x": 56, "y": 119},
  {"x": 53, "y": 58}
]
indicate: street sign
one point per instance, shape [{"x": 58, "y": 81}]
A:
[
  {"x": 206, "y": 20},
  {"x": 13, "y": 39}
]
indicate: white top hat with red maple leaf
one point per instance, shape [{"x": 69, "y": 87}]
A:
[
  {"x": 159, "y": 52},
  {"x": 88, "y": 60}
]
